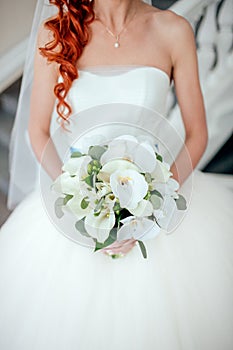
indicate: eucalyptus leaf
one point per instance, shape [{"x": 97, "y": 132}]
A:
[
  {"x": 157, "y": 193},
  {"x": 84, "y": 203},
  {"x": 76, "y": 154},
  {"x": 181, "y": 203},
  {"x": 79, "y": 225},
  {"x": 156, "y": 201},
  {"x": 67, "y": 198},
  {"x": 96, "y": 151},
  {"x": 143, "y": 249},
  {"x": 58, "y": 207}
]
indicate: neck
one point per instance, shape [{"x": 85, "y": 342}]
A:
[{"x": 115, "y": 13}]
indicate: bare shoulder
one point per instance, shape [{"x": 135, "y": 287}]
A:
[
  {"x": 166, "y": 24},
  {"x": 171, "y": 25},
  {"x": 173, "y": 31},
  {"x": 45, "y": 34}
]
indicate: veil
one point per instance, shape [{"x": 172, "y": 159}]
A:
[{"x": 23, "y": 165}]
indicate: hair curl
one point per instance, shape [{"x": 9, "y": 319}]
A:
[{"x": 70, "y": 35}]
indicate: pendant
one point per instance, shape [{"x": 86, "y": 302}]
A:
[{"x": 116, "y": 45}]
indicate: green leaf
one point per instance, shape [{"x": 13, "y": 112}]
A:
[
  {"x": 117, "y": 256},
  {"x": 111, "y": 239},
  {"x": 94, "y": 167},
  {"x": 79, "y": 225},
  {"x": 67, "y": 198},
  {"x": 58, "y": 207},
  {"x": 96, "y": 151},
  {"x": 89, "y": 180},
  {"x": 117, "y": 206},
  {"x": 143, "y": 249},
  {"x": 76, "y": 154},
  {"x": 98, "y": 246},
  {"x": 159, "y": 157},
  {"x": 118, "y": 218},
  {"x": 84, "y": 203},
  {"x": 156, "y": 201},
  {"x": 113, "y": 234},
  {"x": 147, "y": 196},
  {"x": 181, "y": 203},
  {"x": 157, "y": 193},
  {"x": 89, "y": 168}
]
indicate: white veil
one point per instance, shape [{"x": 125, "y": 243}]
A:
[{"x": 23, "y": 166}]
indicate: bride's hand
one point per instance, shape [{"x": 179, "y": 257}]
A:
[{"x": 117, "y": 247}]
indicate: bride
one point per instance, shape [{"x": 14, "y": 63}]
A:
[{"x": 56, "y": 294}]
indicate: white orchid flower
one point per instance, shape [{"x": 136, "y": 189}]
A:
[
  {"x": 74, "y": 205},
  {"x": 140, "y": 229},
  {"x": 100, "y": 226},
  {"x": 144, "y": 208},
  {"x": 165, "y": 214},
  {"x": 66, "y": 184},
  {"x": 167, "y": 189},
  {"x": 113, "y": 165},
  {"x": 110, "y": 201},
  {"x": 161, "y": 172},
  {"x": 77, "y": 166},
  {"x": 128, "y": 147},
  {"x": 129, "y": 186},
  {"x": 103, "y": 188}
]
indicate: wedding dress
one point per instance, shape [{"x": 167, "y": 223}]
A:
[{"x": 56, "y": 294}]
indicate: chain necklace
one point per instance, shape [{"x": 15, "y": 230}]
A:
[{"x": 116, "y": 36}]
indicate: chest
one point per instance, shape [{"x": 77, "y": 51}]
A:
[{"x": 136, "y": 47}]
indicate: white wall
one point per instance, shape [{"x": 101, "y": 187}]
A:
[
  {"x": 15, "y": 22},
  {"x": 15, "y": 25}
]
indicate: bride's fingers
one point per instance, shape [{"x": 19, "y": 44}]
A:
[
  {"x": 120, "y": 247},
  {"x": 119, "y": 244}
]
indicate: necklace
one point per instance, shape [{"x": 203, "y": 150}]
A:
[{"x": 116, "y": 36}]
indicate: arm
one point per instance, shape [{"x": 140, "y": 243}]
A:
[
  {"x": 188, "y": 91},
  {"x": 41, "y": 108}
]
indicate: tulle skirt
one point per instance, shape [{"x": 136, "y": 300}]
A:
[{"x": 56, "y": 294}]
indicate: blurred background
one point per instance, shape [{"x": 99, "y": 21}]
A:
[{"x": 212, "y": 21}]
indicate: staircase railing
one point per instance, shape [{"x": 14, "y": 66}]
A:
[
  {"x": 13, "y": 63},
  {"x": 212, "y": 21}
]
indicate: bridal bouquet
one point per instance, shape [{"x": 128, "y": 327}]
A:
[{"x": 118, "y": 191}]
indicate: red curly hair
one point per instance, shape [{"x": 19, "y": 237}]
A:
[{"x": 70, "y": 35}]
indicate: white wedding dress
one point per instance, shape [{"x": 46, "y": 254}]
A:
[{"x": 56, "y": 294}]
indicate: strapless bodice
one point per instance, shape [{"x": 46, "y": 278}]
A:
[
  {"x": 145, "y": 86},
  {"x": 141, "y": 85}
]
